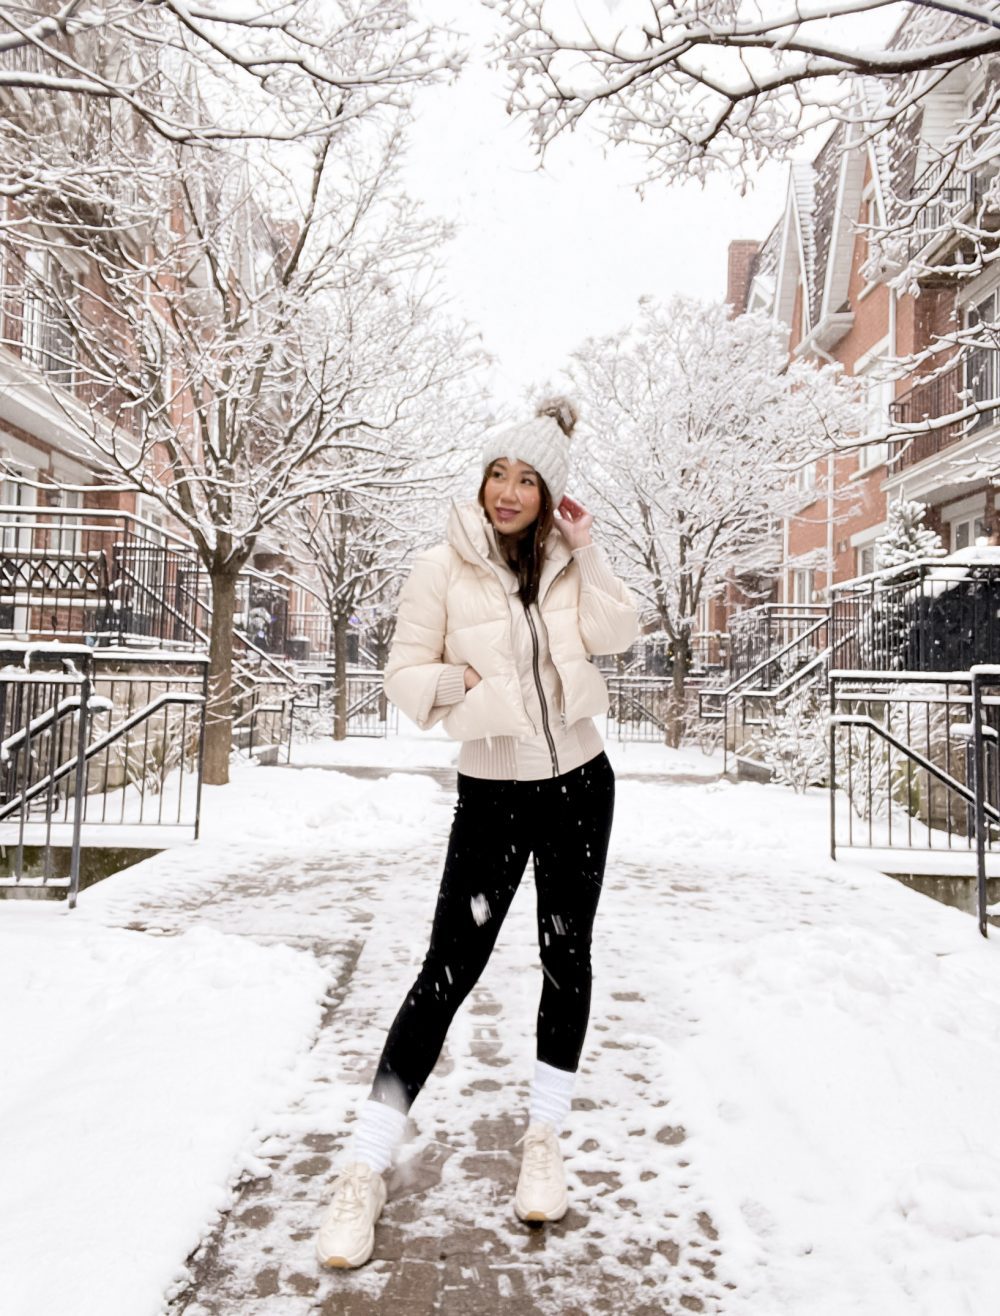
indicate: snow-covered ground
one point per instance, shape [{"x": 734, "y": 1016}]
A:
[{"x": 805, "y": 1054}]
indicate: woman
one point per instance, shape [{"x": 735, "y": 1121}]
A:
[{"x": 493, "y": 639}]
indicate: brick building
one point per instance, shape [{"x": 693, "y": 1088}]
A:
[{"x": 815, "y": 274}]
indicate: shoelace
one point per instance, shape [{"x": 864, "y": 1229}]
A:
[
  {"x": 540, "y": 1158},
  {"x": 349, "y": 1198}
]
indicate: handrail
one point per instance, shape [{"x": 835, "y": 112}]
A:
[
  {"x": 977, "y": 732},
  {"x": 800, "y": 672},
  {"x": 41, "y": 723},
  {"x": 25, "y": 510},
  {"x": 99, "y": 745},
  {"x": 765, "y": 662},
  {"x": 946, "y": 779},
  {"x": 792, "y": 681},
  {"x": 160, "y": 600}
]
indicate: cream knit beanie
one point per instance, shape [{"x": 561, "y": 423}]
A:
[{"x": 542, "y": 442}]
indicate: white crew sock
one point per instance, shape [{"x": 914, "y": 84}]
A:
[
  {"x": 377, "y": 1134},
  {"x": 551, "y": 1094}
]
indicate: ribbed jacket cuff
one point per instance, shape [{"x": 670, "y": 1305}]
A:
[
  {"x": 451, "y": 685},
  {"x": 593, "y": 569}
]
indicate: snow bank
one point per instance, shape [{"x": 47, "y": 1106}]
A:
[
  {"x": 135, "y": 1072},
  {"x": 830, "y": 1046}
]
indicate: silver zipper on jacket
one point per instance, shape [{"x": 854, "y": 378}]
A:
[{"x": 541, "y": 694}]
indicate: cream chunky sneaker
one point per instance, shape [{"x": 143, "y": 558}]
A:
[
  {"x": 347, "y": 1231},
  {"x": 541, "y": 1185}
]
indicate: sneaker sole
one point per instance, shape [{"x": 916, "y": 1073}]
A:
[
  {"x": 541, "y": 1217},
  {"x": 343, "y": 1262}
]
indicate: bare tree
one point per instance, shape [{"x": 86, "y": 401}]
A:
[
  {"x": 693, "y": 425},
  {"x": 359, "y": 538},
  {"x": 283, "y": 71},
  {"x": 214, "y": 307},
  {"x": 718, "y": 86}
]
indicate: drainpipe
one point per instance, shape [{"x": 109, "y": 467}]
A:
[{"x": 830, "y": 473}]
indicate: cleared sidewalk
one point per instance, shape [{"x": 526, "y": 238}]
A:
[{"x": 784, "y": 1103}]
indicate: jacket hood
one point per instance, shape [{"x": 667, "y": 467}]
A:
[{"x": 471, "y": 536}]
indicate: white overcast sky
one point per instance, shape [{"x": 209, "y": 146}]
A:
[{"x": 546, "y": 258}]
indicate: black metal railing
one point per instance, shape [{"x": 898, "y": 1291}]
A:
[
  {"x": 98, "y": 576},
  {"x": 369, "y": 712},
  {"x": 945, "y": 192},
  {"x": 140, "y": 737},
  {"x": 757, "y": 634},
  {"x": 915, "y": 771},
  {"x": 931, "y": 615},
  {"x": 638, "y": 708},
  {"x": 744, "y": 704},
  {"x": 975, "y": 379}
]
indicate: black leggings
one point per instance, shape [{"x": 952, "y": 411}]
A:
[{"x": 565, "y": 822}]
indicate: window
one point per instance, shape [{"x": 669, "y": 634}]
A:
[
  {"x": 805, "y": 478},
  {"x": 864, "y": 560},
  {"x": 965, "y": 532},
  {"x": 15, "y": 538},
  {"x": 982, "y": 366},
  {"x": 802, "y": 581},
  {"x": 67, "y": 540},
  {"x": 46, "y": 335},
  {"x": 878, "y": 394},
  {"x": 869, "y": 214}
]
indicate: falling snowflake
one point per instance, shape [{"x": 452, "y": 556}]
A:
[{"x": 480, "y": 909}]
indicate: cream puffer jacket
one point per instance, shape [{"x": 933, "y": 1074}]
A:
[{"x": 455, "y": 609}]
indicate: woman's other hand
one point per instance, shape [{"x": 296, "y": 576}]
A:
[
  {"x": 573, "y": 522},
  {"x": 471, "y": 678}
]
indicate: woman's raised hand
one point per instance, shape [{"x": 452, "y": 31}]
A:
[{"x": 573, "y": 522}]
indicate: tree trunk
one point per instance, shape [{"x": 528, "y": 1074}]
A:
[
  {"x": 219, "y": 715},
  {"x": 676, "y": 697},
  {"x": 340, "y": 625},
  {"x": 381, "y": 650}
]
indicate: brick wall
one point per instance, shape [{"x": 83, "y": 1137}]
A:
[{"x": 741, "y": 258}]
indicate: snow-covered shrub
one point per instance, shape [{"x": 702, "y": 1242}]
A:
[
  {"x": 793, "y": 742},
  {"x": 885, "y": 631},
  {"x": 906, "y": 538},
  {"x": 882, "y": 778}
]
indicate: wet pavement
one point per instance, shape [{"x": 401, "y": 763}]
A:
[{"x": 448, "y": 1242}]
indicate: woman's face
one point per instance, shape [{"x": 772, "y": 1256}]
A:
[{"x": 512, "y": 496}]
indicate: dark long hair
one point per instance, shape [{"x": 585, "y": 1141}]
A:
[{"x": 526, "y": 553}]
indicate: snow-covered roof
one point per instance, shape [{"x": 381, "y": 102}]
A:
[{"x": 803, "y": 187}]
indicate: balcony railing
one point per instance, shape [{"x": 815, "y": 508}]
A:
[
  {"x": 975, "y": 379},
  {"x": 947, "y": 190}
]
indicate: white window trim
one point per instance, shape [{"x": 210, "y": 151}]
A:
[{"x": 859, "y": 370}]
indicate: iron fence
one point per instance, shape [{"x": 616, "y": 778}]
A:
[
  {"x": 759, "y": 634},
  {"x": 915, "y": 772},
  {"x": 95, "y": 575},
  {"x": 934, "y": 615},
  {"x": 369, "y": 712},
  {"x": 87, "y": 752},
  {"x": 638, "y": 708},
  {"x": 744, "y": 705}
]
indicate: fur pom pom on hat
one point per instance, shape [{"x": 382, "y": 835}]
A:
[{"x": 542, "y": 442}]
